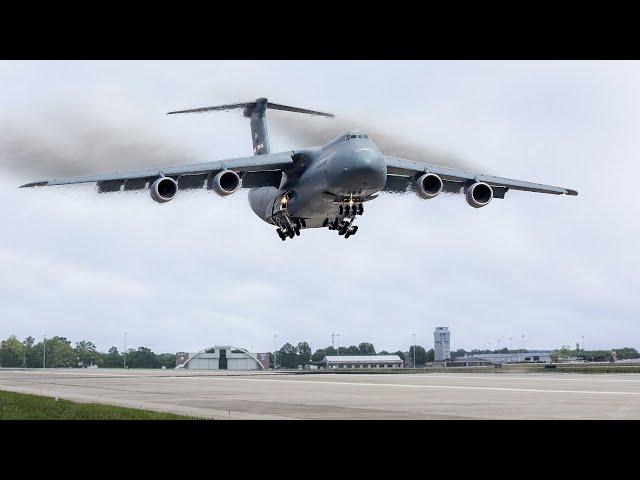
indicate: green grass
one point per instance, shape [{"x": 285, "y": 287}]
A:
[{"x": 19, "y": 406}]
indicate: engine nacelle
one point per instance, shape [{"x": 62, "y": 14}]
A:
[
  {"x": 479, "y": 194},
  {"x": 164, "y": 189},
  {"x": 226, "y": 182},
  {"x": 429, "y": 185}
]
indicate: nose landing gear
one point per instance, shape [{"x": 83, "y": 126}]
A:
[{"x": 343, "y": 223}]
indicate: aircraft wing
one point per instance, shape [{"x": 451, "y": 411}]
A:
[
  {"x": 402, "y": 173},
  {"x": 255, "y": 171}
]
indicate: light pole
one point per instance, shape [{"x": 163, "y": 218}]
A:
[
  {"x": 125, "y": 351},
  {"x": 338, "y": 341},
  {"x": 44, "y": 353},
  {"x": 275, "y": 350},
  {"x": 522, "y": 336},
  {"x": 583, "y": 343},
  {"x": 509, "y": 349},
  {"x": 414, "y": 350}
]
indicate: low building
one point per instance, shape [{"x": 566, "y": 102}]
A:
[
  {"x": 362, "y": 361},
  {"x": 470, "y": 361},
  {"x": 224, "y": 357},
  {"x": 540, "y": 356}
]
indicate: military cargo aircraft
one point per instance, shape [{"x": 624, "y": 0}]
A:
[{"x": 318, "y": 187}]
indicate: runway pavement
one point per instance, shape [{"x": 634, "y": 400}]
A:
[{"x": 265, "y": 395}]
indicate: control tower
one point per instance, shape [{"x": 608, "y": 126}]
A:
[{"x": 442, "y": 344}]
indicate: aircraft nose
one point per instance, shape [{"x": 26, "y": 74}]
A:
[{"x": 365, "y": 172}]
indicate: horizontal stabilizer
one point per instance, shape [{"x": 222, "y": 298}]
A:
[{"x": 251, "y": 106}]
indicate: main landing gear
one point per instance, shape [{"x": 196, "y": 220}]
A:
[
  {"x": 343, "y": 223},
  {"x": 289, "y": 227}
]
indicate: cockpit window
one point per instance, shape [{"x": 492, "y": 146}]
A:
[{"x": 354, "y": 136}]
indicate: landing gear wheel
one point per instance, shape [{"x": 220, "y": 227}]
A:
[
  {"x": 296, "y": 229},
  {"x": 360, "y": 209},
  {"x": 280, "y": 233},
  {"x": 355, "y": 229},
  {"x": 303, "y": 222},
  {"x": 354, "y": 209},
  {"x": 340, "y": 210},
  {"x": 291, "y": 233}
]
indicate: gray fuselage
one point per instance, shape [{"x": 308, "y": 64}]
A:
[{"x": 348, "y": 168}]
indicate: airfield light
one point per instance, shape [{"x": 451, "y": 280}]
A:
[{"x": 275, "y": 351}]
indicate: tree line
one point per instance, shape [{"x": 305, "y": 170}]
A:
[
  {"x": 594, "y": 355},
  {"x": 290, "y": 356},
  {"x": 58, "y": 352}
]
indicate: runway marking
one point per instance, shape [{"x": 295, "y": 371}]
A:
[
  {"x": 502, "y": 376},
  {"x": 447, "y": 387}
]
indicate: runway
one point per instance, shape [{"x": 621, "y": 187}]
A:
[{"x": 265, "y": 395}]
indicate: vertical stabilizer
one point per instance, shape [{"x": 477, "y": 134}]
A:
[{"x": 256, "y": 111}]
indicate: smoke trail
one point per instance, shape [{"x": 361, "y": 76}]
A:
[
  {"x": 57, "y": 143},
  {"x": 73, "y": 141},
  {"x": 312, "y": 131}
]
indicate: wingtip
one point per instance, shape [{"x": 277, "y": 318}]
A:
[
  {"x": 573, "y": 193},
  {"x": 34, "y": 184}
]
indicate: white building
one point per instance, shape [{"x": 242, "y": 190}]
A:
[
  {"x": 362, "y": 361},
  {"x": 539, "y": 356},
  {"x": 442, "y": 344},
  {"x": 224, "y": 357}
]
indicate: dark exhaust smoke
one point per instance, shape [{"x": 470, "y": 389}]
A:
[
  {"x": 311, "y": 131},
  {"x": 62, "y": 144}
]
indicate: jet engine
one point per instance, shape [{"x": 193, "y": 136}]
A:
[
  {"x": 163, "y": 189},
  {"x": 226, "y": 182},
  {"x": 429, "y": 185},
  {"x": 479, "y": 194}
]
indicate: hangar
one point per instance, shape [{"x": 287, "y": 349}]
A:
[{"x": 223, "y": 357}]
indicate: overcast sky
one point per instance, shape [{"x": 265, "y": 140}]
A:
[{"x": 204, "y": 270}]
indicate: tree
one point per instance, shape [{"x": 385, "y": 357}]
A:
[
  {"x": 350, "y": 350},
  {"x": 288, "y": 356},
  {"x": 167, "y": 360},
  {"x": 401, "y": 354},
  {"x": 366, "y": 349},
  {"x": 60, "y": 353},
  {"x": 87, "y": 353},
  {"x": 431, "y": 355},
  {"x": 113, "y": 359},
  {"x": 320, "y": 353},
  {"x": 143, "y": 357},
  {"x": 12, "y": 352},
  {"x": 304, "y": 353},
  {"x": 421, "y": 355}
]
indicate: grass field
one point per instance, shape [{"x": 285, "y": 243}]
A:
[{"x": 19, "y": 406}]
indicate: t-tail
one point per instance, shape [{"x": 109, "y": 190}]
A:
[{"x": 256, "y": 111}]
